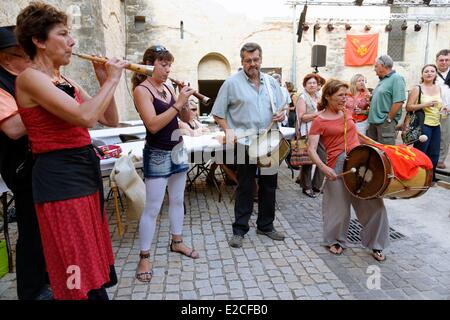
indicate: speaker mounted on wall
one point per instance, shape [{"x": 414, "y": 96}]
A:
[{"x": 318, "y": 56}]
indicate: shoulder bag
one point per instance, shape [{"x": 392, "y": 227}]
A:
[
  {"x": 299, "y": 149},
  {"x": 412, "y": 126}
]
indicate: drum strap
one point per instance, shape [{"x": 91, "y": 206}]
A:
[
  {"x": 345, "y": 133},
  {"x": 272, "y": 104}
]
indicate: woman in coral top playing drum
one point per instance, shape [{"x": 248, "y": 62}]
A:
[{"x": 336, "y": 130}]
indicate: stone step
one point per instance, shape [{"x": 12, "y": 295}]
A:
[{"x": 444, "y": 184}]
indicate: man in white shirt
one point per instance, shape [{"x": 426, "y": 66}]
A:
[{"x": 443, "y": 79}]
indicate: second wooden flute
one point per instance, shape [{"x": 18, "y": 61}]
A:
[{"x": 204, "y": 99}]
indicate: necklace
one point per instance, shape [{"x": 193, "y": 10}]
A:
[{"x": 162, "y": 94}]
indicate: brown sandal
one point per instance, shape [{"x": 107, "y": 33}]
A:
[
  {"x": 190, "y": 255},
  {"x": 378, "y": 255},
  {"x": 141, "y": 276},
  {"x": 337, "y": 249}
]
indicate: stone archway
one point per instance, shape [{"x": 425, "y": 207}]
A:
[{"x": 213, "y": 69}]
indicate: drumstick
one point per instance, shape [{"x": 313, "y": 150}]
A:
[
  {"x": 422, "y": 138},
  {"x": 352, "y": 170}
]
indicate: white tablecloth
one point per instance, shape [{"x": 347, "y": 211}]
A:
[
  {"x": 111, "y": 135},
  {"x": 288, "y": 132},
  {"x": 191, "y": 144},
  {"x": 133, "y": 122}
]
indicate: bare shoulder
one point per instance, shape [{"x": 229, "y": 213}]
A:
[
  {"x": 32, "y": 79},
  {"x": 29, "y": 75},
  {"x": 414, "y": 89},
  {"x": 142, "y": 90},
  {"x": 142, "y": 96}
]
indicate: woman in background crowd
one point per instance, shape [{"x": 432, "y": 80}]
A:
[
  {"x": 192, "y": 126},
  {"x": 358, "y": 102},
  {"x": 427, "y": 96},
  {"x": 306, "y": 112},
  {"x": 291, "y": 114}
]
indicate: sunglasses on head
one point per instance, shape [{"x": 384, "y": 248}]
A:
[{"x": 159, "y": 49}]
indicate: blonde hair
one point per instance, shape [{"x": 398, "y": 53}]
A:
[{"x": 353, "y": 81}]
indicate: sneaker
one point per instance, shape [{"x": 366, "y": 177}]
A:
[
  {"x": 236, "y": 241},
  {"x": 275, "y": 235}
]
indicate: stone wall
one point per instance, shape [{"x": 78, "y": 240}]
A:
[
  {"x": 100, "y": 31},
  {"x": 209, "y": 28},
  {"x": 211, "y": 37}
]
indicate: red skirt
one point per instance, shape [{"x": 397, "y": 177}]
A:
[{"x": 77, "y": 246}]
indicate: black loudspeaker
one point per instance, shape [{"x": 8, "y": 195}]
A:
[{"x": 318, "y": 56}]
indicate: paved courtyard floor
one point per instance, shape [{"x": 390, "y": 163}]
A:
[{"x": 417, "y": 265}]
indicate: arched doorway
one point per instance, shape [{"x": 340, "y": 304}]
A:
[{"x": 213, "y": 69}]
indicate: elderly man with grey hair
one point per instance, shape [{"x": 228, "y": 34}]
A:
[{"x": 387, "y": 101}]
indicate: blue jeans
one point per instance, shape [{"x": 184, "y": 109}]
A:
[
  {"x": 432, "y": 146},
  {"x": 158, "y": 163}
]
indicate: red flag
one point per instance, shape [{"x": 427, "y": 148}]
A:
[
  {"x": 361, "y": 50},
  {"x": 406, "y": 160}
]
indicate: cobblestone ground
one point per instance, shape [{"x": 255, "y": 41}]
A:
[{"x": 418, "y": 266}]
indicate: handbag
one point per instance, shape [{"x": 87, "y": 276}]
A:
[
  {"x": 108, "y": 151},
  {"x": 412, "y": 126},
  {"x": 299, "y": 150}
]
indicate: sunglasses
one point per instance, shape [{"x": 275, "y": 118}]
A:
[
  {"x": 254, "y": 60},
  {"x": 159, "y": 49}
]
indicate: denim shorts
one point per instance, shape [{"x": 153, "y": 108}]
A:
[{"x": 158, "y": 163}]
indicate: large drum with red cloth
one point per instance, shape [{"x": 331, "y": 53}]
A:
[{"x": 384, "y": 171}]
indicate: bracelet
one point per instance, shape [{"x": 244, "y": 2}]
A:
[{"x": 173, "y": 106}]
